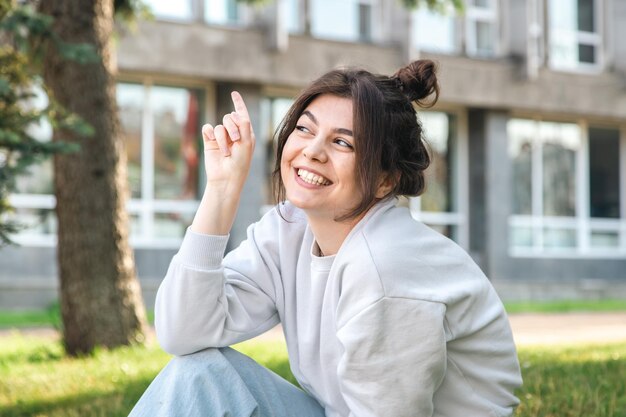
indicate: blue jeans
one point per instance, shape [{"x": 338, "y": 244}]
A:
[{"x": 222, "y": 383}]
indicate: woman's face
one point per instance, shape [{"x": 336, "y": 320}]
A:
[{"x": 318, "y": 160}]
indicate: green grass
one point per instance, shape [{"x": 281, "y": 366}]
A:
[
  {"x": 565, "y": 306},
  {"x": 36, "y": 379}
]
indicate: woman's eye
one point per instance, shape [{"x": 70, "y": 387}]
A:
[
  {"x": 302, "y": 129},
  {"x": 343, "y": 143}
]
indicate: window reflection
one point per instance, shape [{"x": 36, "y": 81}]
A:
[
  {"x": 439, "y": 194},
  {"x": 432, "y": 31},
  {"x": 130, "y": 102},
  {"x": 221, "y": 11},
  {"x": 278, "y": 107},
  {"x": 38, "y": 178},
  {"x": 180, "y": 10},
  {"x": 561, "y": 142},
  {"x": 348, "y": 20},
  {"x": 176, "y": 136},
  {"x": 521, "y": 133},
  {"x": 604, "y": 180}
]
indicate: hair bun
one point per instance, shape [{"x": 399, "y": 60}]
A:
[{"x": 418, "y": 80}]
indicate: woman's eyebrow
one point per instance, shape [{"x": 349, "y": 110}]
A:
[{"x": 341, "y": 130}]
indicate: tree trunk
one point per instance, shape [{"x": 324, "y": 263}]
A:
[{"x": 101, "y": 303}]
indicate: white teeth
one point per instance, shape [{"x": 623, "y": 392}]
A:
[{"x": 312, "y": 178}]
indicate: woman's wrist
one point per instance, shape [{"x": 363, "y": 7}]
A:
[{"x": 217, "y": 211}]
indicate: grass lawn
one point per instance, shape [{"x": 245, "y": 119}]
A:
[
  {"x": 564, "y": 306},
  {"x": 37, "y": 380}
]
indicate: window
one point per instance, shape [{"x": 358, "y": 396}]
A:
[
  {"x": 175, "y": 10},
  {"x": 221, "y": 11},
  {"x": 434, "y": 32},
  {"x": 161, "y": 126},
  {"x": 34, "y": 200},
  {"x": 575, "y": 40},
  {"x": 565, "y": 188},
  {"x": 481, "y": 28},
  {"x": 440, "y": 205},
  {"x": 273, "y": 110},
  {"x": 345, "y": 20},
  {"x": 604, "y": 187}
]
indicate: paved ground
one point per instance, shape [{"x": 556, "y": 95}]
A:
[
  {"x": 528, "y": 329},
  {"x": 570, "y": 328}
]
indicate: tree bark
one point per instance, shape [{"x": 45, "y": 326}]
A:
[{"x": 101, "y": 302}]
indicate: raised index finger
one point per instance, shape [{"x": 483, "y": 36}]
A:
[{"x": 240, "y": 106}]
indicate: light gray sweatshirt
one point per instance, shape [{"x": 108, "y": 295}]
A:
[{"x": 401, "y": 322}]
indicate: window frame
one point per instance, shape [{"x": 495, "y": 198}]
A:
[
  {"x": 581, "y": 223},
  {"x": 475, "y": 14},
  {"x": 595, "y": 39}
]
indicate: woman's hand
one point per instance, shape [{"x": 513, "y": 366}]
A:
[{"x": 228, "y": 150}]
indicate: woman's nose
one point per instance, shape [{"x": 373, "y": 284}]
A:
[{"x": 315, "y": 150}]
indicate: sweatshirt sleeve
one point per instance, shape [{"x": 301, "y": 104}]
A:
[
  {"x": 208, "y": 300},
  {"x": 394, "y": 358}
]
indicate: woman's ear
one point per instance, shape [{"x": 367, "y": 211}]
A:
[{"x": 387, "y": 183}]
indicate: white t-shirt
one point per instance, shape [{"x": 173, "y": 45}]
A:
[{"x": 401, "y": 322}]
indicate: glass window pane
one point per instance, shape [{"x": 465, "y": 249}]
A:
[
  {"x": 433, "y": 31},
  {"x": 175, "y": 113},
  {"x": 521, "y": 237},
  {"x": 440, "y": 175},
  {"x": 294, "y": 22},
  {"x": 278, "y": 108},
  {"x": 604, "y": 181},
  {"x": 586, "y": 53},
  {"x": 559, "y": 238},
  {"x": 365, "y": 22},
  {"x": 171, "y": 225},
  {"x": 561, "y": 142},
  {"x": 221, "y": 11},
  {"x": 130, "y": 102},
  {"x": 170, "y": 9},
  {"x": 521, "y": 133},
  {"x": 38, "y": 178},
  {"x": 481, "y": 3},
  {"x": 586, "y": 15},
  {"x": 335, "y": 19},
  {"x": 136, "y": 226},
  {"x": 485, "y": 38},
  {"x": 604, "y": 239},
  {"x": 39, "y": 221},
  {"x": 563, "y": 15}
]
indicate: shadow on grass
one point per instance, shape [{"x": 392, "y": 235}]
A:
[{"x": 93, "y": 404}]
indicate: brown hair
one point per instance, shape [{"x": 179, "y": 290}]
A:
[{"x": 387, "y": 132}]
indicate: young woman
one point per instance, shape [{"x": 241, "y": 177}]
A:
[{"x": 382, "y": 315}]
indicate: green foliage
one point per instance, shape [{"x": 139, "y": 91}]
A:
[
  {"x": 25, "y": 34},
  {"x": 441, "y": 6}
]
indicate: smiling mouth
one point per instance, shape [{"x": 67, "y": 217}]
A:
[{"x": 311, "y": 178}]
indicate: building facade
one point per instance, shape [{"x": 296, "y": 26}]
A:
[{"x": 528, "y": 137}]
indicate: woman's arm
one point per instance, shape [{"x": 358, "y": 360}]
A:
[
  {"x": 228, "y": 150},
  {"x": 204, "y": 302}
]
